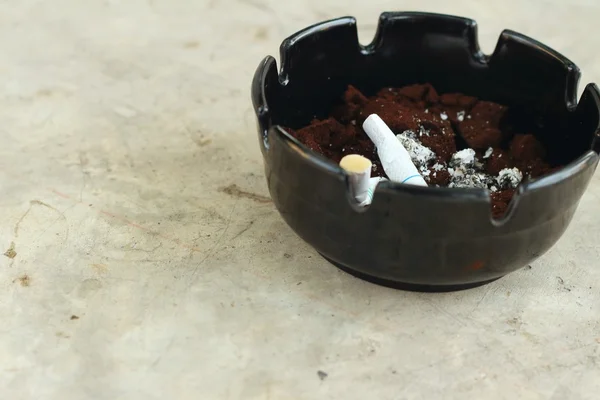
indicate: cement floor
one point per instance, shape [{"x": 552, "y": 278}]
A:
[{"x": 135, "y": 274}]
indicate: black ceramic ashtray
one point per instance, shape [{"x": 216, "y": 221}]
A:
[{"x": 412, "y": 237}]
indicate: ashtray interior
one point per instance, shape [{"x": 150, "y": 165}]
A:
[{"x": 537, "y": 83}]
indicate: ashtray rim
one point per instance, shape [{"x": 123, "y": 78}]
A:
[{"x": 261, "y": 107}]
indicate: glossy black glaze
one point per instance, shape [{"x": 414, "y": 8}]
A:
[{"x": 423, "y": 238}]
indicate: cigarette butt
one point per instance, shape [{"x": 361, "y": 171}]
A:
[
  {"x": 356, "y": 163},
  {"x": 359, "y": 170},
  {"x": 395, "y": 160},
  {"x": 373, "y": 182}
]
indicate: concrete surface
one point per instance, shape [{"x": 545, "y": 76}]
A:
[{"x": 144, "y": 259}]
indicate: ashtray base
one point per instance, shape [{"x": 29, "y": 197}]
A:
[{"x": 412, "y": 287}]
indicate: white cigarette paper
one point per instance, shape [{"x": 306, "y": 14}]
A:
[
  {"x": 373, "y": 182},
  {"x": 395, "y": 160},
  {"x": 359, "y": 170}
]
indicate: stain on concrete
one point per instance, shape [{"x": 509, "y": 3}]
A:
[
  {"x": 192, "y": 44},
  {"x": 10, "y": 252},
  {"x": 89, "y": 286},
  {"x": 234, "y": 191},
  {"x": 24, "y": 280},
  {"x": 99, "y": 268},
  {"x": 44, "y": 93},
  {"x": 562, "y": 285},
  {"x": 202, "y": 142},
  {"x": 262, "y": 33}
]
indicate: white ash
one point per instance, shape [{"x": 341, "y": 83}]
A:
[
  {"x": 467, "y": 172},
  {"x": 438, "y": 167},
  {"x": 423, "y": 131},
  {"x": 460, "y": 116},
  {"x": 469, "y": 179},
  {"x": 444, "y": 116},
  {"x": 509, "y": 178},
  {"x": 464, "y": 158},
  {"x": 420, "y": 155},
  {"x": 465, "y": 169}
]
